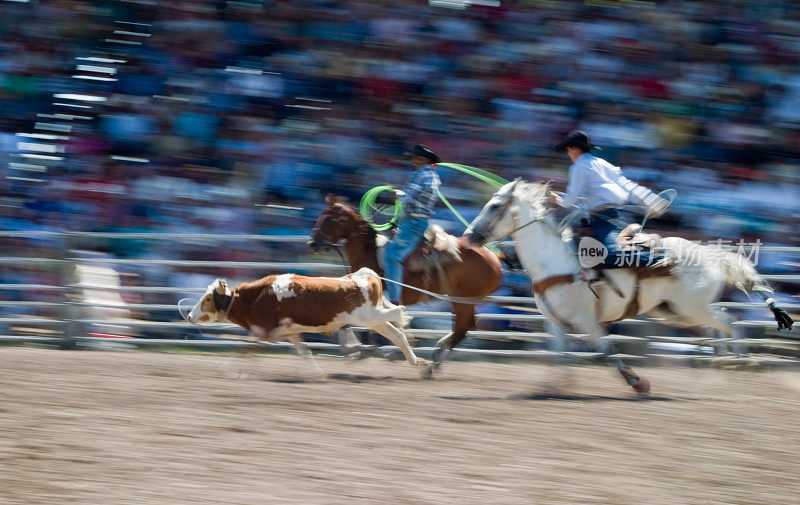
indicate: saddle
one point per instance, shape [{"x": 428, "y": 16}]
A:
[
  {"x": 629, "y": 238},
  {"x": 438, "y": 249},
  {"x": 435, "y": 252}
]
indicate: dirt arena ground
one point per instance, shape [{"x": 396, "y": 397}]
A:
[{"x": 156, "y": 428}]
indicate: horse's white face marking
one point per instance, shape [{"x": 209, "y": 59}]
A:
[
  {"x": 280, "y": 286},
  {"x": 495, "y": 220}
]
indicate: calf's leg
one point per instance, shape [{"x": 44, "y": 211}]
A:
[
  {"x": 309, "y": 369},
  {"x": 241, "y": 365},
  {"x": 398, "y": 338}
]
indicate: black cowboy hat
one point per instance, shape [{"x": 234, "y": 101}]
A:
[
  {"x": 423, "y": 152},
  {"x": 576, "y": 138}
]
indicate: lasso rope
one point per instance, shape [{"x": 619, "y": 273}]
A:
[
  {"x": 368, "y": 202},
  {"x": 367, "y": 205},
  {"x": 479, "y": 173}
]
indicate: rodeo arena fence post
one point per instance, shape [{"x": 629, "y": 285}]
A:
[{"x": 86, "y": 311}]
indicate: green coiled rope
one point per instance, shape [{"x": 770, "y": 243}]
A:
[{"x": 367, "y": 205}]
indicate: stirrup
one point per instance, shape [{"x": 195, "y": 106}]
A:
[
  {"x": 590, "y": 276},
  {"x": 587, "y": 275}
]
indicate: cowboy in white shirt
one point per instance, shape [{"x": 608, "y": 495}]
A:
[{"x": 598, "y": 188}]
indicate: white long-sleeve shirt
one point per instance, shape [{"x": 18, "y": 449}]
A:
[{"x": 595, "y": 184}]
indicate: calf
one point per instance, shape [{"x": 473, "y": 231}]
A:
[{"x": 281, "y": 307}]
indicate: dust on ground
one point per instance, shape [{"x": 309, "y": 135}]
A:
[{"x": 157, "y": 428}]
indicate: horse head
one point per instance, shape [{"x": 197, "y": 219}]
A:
[
  {"x": 337, "y": 222},
  {"x": 500, "y": 216}
]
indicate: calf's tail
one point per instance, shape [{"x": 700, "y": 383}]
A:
[{"x": 397, "y": 314}]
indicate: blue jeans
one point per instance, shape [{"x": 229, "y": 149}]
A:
[
  {"x": 408, "y": 237},
  {"x": 607, "y": 233}
]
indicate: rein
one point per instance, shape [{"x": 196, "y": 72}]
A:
[
  {"x": 515, "y": 218},
  {"x": 539, "y": 287},
  {"x": 338, "y": 248}
]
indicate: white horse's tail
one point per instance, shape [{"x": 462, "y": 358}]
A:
[{"x": 741, "y": 273}]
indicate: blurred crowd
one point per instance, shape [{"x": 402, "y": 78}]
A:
[{"x": 239, "y": 116}]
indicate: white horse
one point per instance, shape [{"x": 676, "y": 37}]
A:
[{"x": 683, "y": 296}]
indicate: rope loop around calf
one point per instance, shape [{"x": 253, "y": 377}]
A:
[{"x": 367, "y": 207}]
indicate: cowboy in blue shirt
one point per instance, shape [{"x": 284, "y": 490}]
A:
[
  {"x": 418, "y": 198},
  {"x": 598, "y": 188}
]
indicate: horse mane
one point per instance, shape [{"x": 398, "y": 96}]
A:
[{"x": 534, "y": 193}]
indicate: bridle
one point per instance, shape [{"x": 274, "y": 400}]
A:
[
  {"x": 514, "y": 218},
  {"x": 336, "y": 246},
  {"x": 556, "y": 230}
]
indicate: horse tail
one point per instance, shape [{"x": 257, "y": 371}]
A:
[{"x": 741, "y": 273}]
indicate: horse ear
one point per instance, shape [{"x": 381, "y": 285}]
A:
[
  {"x": 330, "y": 198},
  {"x": 222, "y": 286}
]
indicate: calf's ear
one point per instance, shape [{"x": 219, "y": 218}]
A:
[{"x": 222, "y": 286}]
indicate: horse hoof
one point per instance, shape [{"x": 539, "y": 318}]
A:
[
  {"x": 642, "y": 387},
  {"x": 639, "y": 384},
  {"x": 439, "y": 356},
  {"x": 427, "y": 372}
]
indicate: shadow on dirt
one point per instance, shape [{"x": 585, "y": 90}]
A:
[
  {"x": 565, "y": 397},
  {"x": 352, "y": 378}
]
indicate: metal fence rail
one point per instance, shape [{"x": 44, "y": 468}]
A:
[{"x": 74, "y": 327}]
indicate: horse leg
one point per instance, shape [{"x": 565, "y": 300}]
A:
[
  {"x": 639, "y": 384},
  {"x": 715, "y": 319},
  {"x": 309, "y": 369},
  {"x": 465, "y": 321},
  {"x": 558, "y": 373},
  {"x": 398, "y": 338}
]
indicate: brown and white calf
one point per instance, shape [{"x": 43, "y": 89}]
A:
[{"x": 281, "y": 307}]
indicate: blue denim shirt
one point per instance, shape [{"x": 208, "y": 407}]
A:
[{"x": 420, "y": 191}]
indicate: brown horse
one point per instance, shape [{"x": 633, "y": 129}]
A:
[{"x": 478, "y": 274}]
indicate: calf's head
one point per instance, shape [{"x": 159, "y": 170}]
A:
[{"x": 213, "y": 305}]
